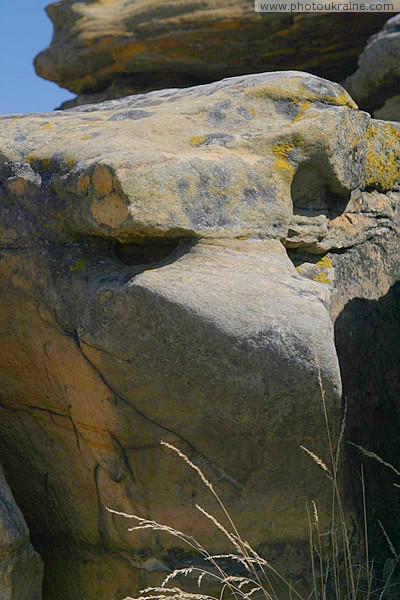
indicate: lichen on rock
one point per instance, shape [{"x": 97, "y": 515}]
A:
[{"x": 173, "y": 277}]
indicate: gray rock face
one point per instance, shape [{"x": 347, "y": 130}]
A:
[
  {"x": 172, "y": 264},
  {"x": 21, "y": 569},
  {"x": 376, "y": 83}
]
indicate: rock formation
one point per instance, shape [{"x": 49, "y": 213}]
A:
[
  {"x": 376, "y": 83},
  {"x": 172, "y": 265},
  {"x": 111, "y": 48},
  {"x": 21, "y": 569}
]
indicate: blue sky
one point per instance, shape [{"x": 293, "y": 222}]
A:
[{"x": 25, "y": 30}]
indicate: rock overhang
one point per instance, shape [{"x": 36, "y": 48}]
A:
[
  {"x": 213, "y": 161},
  {"x": 103, "y": 50}
]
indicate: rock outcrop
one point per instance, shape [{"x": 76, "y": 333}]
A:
[
  {"x": 376, "y": 83},
  {"x": 172, "y": 265},
  {"x": 111, "y": 48},
  {"x": 21, "y": 569}
]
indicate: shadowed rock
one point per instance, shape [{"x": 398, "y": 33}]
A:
[{"x": 21, "y": 569}]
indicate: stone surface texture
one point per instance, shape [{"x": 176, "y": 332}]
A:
[
  {"x": 21, "y": 569},
  {"x": 106, "y": 49},
  {"x": 376, "y": 83},
  {"x": 171, "y": 268}
]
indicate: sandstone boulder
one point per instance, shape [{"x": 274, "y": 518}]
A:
[
  {"x": 376, "y": 82},
  {"x": 21, "y": 569},
  {"x": 172, "y": 265},
  {"x": 111, "y": 48}
]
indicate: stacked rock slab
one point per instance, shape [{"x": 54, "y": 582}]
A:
[
  {"x": 171, "y": 268},
  {"x": 376, "y": 83},
  {"x": 21, "y": 569},
  {"x": 111, "y": 48}
]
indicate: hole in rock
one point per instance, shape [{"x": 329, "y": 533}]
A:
[
  {"x": 315, "y": 191},
  {"x": 367, "y": 334},
  {"x": 150, "y": 252}
]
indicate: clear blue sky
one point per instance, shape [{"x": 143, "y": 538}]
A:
[{"x": 25, "y": 30}]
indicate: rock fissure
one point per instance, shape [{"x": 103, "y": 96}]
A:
[{"x": 174, "y": 281}]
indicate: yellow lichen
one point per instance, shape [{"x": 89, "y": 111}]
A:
[
  {"x": 325, "y": 262},
  {"x": 78, "y": 266},
  {"x": 197, "y": 140},
  {"x": 282, "y": 151},
  {"x": 294, "y": 91},
  {"x": 382, "y": 169},
  {"x": 322, "y": 278},
  {"x": 303, "y": 107}
]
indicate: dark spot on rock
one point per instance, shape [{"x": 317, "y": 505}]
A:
[
  {"x": 250, "y": 196},
  {"x": 183, "y": 186},
  {"x": 222, "y": 176},
  {"x": 216, "y": 113},
  {"x": 131, "y": 115},
  {"x": 287, "y": 108},
  {"x": 217, "y": 139}
]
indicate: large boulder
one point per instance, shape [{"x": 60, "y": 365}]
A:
[
  {"x": 21, "y": 569},
  {"x": 111, "y": 48},
  {"x": 172, "y": 265},
  {"x": 375, "y": 85}
]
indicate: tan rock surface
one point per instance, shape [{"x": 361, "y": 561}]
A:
[
  {"x": 146, "y": 293},
  {"x": 111, "y": 48}
]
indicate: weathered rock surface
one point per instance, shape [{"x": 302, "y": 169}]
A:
[
  {"x": 376, "y": 83},
  {"x": 21, "y": 569},
  {"x": 147, "y": 293},
  {"x": 111, "y": 48}
]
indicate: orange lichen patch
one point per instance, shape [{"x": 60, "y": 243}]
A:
[
  {"x": 179, "y": 48},
  {"x": 83, "y": 183},
  {"x": 102, "y": 181},
  {"x": 111, "y": 210},
  {"x": 127, "y": 51},
  {"x": 197, "y": 140},
  {"x": 47, "y": 126},
  {"x": 80, "y": 85},
  {"x": 382, "y": 168},
  {"x": 282, "y": 33},
  {"x": 228, "y": 25}
]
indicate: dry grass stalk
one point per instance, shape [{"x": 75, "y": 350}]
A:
[{"x": 335, "y": 563}]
